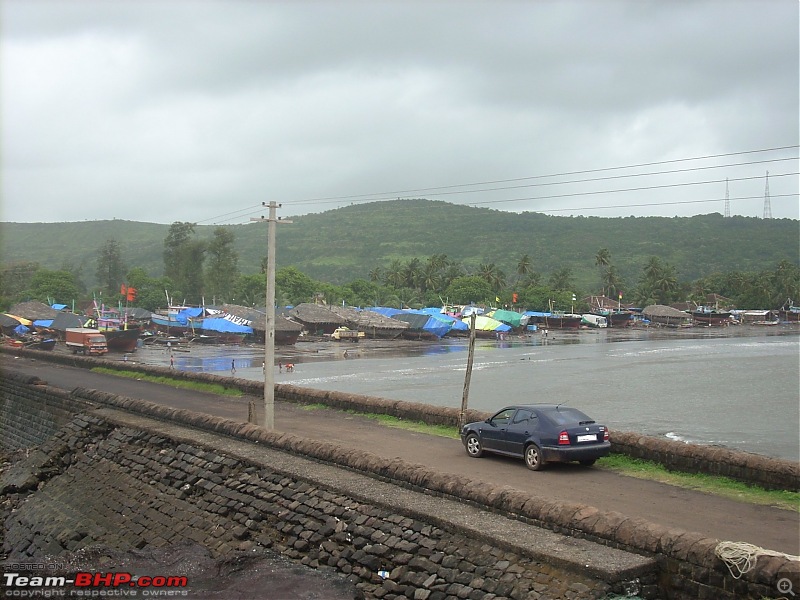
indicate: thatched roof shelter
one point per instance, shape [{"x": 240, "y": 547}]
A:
[
  {"x": 658, "y": 313},
  {"x": 33, "y": 311},
  {"x": 318, "y": 320},
  {"x": 368, "y": 320},
  {"x": 8, "y": 322},
  {"x": 257, "y": 318}
]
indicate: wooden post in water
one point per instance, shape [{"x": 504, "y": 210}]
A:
[{"x": 468, "y": 376}]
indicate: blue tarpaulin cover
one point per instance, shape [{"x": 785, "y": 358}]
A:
[
  {"x": 43, "y": 322},
  {"x": 224, "y": 326}
]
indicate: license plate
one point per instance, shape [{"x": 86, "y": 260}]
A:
[{"x": 587, "y": 438}]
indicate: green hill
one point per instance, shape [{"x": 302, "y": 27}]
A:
[{"x": 340, "y": 245}]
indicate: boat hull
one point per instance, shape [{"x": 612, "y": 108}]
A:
[
  {"x": 562, "y": 322},
  {"x": 122, "y": 340}
]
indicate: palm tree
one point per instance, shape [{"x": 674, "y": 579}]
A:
[
  {"x": 411, "y": 273},
  {"x": 611, "y": 280},
  {"x": 438, "y": 261},
  {"x": 532, "y": 279},
  {"x": 492, "y": 274},
  {"x": 452, "y": 271},
  {"x": 666, "y": 284},
  {"x": 429, "y": 277},
  {"x": 524, "y": 266},
  {"x": 561, "y": 279},
  {"x": 393, "y": 275},
  {"x": 603, "y": 260},
  {"x": 376, "y": 274},
  {"x": 652, "y": 270}
]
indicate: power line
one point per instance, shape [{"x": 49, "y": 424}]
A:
[
  {"x": 609, "y": 206},
  {"x": 612, "y": 177},
  {"x": 622, "y": 190},
  {"x": 563, "y": 174},
  {"x": 248, "y": 211}
]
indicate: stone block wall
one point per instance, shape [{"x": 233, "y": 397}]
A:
[
  {"x": 30, "y": 413},
  {"x": 129, "y": 488}
]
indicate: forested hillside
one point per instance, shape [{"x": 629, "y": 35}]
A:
[{"x": 341, "y": 245}]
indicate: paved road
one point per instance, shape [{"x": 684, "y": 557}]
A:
[{"x": 669, "y": 506}]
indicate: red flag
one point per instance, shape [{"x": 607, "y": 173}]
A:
[
  {"x": 131, "y": 294},
  {"x": 123, "y": 289}
]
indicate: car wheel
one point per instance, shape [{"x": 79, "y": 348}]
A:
[
  {"x": 474, "y": 448},
  {"x": 533, "y": 458},
  {"x": 588, "y": 463}
]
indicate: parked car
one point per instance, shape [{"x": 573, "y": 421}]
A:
[{"x": 538, "y": 433}]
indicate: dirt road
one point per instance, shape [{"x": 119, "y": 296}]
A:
[{"x": 669, "y": 506}]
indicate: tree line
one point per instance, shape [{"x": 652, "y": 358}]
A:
[{"x": 207, "y": 271}]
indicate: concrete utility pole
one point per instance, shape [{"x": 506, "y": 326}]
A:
[{"x": 269, "y": 329}]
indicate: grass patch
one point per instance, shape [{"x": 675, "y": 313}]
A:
[
  {"x": 447, "y": 431},
  {"x": 711, "y": 484},
  {"x": 197, "y": 386}
]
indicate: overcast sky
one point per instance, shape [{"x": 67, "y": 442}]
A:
[{"x": 184, "y": 110}]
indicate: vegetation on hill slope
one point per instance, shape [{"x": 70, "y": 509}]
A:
[{"x": 374, "y": 240}]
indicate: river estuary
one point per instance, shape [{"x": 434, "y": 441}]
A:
[{"x": 737, "y": 387}]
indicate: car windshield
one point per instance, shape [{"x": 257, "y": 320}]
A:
[{"x": 565, "y": 416}]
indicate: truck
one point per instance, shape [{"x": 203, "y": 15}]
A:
[
  {"x": 345, "y": 334},
  {"x": 87, "y": 341}
]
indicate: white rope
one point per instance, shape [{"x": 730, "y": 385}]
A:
[{"x": 741, "y": 557}]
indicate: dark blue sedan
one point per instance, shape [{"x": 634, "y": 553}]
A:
[{"x": 538, "y": 433}]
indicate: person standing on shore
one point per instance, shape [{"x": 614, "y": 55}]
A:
[{"x": 233, "y": 366}]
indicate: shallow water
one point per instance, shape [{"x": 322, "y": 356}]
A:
[{"x": 738, "y": 387}]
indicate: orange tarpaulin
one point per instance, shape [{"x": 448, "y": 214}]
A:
[{"x": 20, "y": 319}]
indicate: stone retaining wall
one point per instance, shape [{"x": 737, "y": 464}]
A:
[
  {"x": 30, "y": 413},
  {"x": 688, "y": 565},
  {"x": 127, "y": 488}
]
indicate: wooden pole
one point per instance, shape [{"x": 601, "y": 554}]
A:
[{"x": 468, "y": 376}]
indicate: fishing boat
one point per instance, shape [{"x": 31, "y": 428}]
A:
[
  {"x": 711, "y": 317},
  {"x": 120, "y": 335},
  {"x": 558, "y": 320}
]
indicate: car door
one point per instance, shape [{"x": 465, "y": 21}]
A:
[
  {"x": 519, "y": 430},
  {"x": 493, "y": 434}
]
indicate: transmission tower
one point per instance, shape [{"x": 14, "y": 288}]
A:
[
  {"x": 767, "y": 207},
  {"x": 727, "y": 200}
]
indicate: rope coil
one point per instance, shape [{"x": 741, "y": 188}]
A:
[{"x": 741, "y": 557}]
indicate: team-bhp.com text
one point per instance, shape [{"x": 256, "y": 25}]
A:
[{"x": 85, "y": 584}]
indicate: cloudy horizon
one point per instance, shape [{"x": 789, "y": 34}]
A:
[{"x": 183, "y": 110}]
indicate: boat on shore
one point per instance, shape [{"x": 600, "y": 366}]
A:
[
  {"x": 121, "y": 336},
  {"x": 562, "y": 321},
  {"x": 711, "y": 317}
]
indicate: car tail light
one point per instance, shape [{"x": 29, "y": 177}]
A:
[
  {"x": 605, "y": 434},
  {"x": 563, "y": 439}
]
